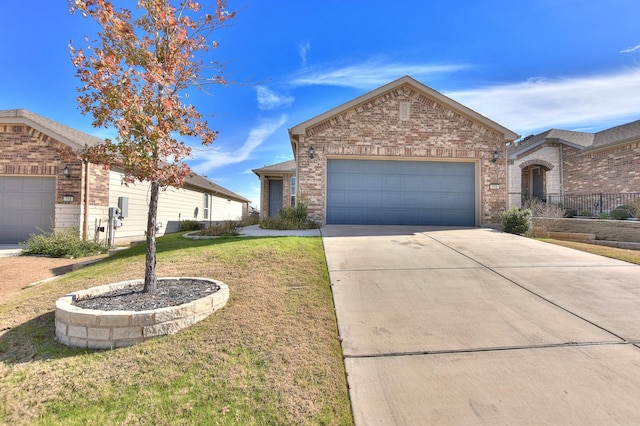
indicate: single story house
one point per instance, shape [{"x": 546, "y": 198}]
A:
[
  {"x": 557, "y": 164},
  {"x": 400, "y": 154},
  {"x": 39, "y": 188}
]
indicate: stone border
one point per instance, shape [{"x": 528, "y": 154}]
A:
[{"x": 96, "y": 329}]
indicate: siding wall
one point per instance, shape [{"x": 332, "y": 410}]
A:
[{"x": 173, "y": 205}]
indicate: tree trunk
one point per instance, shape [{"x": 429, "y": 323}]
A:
[{"x": 150, "y": 279}]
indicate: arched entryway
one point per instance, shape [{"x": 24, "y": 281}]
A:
[{"x": 534, "y": 179}]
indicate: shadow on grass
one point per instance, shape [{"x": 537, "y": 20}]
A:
[{"x": 34, "y": 340}]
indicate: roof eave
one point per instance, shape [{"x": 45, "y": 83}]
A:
[{"x": 300, "y": 129}]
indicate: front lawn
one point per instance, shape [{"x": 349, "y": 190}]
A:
[
  {"x": 631, "y": 256},
  {"x": 271, "y": 356}
]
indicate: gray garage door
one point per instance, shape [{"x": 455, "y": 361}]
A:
[
  {"x": 26, "y": 204},
  {"x": 400, "y": 193}
]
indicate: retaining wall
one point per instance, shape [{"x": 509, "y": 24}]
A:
[
  {"x": 96, "y": 329},
  {"x": 603, "y": 229}
]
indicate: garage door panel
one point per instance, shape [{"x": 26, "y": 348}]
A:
[
  {"x": 401, "y": 192},
  {"x": 28, "y": 204}
]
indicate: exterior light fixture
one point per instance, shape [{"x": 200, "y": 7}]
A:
[
  {"x": 495, "y": 156},
  {"x": 66, "y": 172},
  {"x": 312, "y": 152}
]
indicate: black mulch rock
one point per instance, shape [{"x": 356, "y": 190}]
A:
[{"x": 168, "y": 293}]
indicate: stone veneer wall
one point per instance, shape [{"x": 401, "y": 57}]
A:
[
  {"x": 95, "y": 329},
  {"x": 606, "y": 230},
  {"x": 432, "y": 132}
]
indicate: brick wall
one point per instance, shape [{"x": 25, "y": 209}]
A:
[
  {"x": 29, "y": 152},
  {"x": 431, "y": 132},
  {"x": 612, "y": 170}
]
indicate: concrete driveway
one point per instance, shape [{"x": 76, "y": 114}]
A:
[{"x": 473, "y": 326}]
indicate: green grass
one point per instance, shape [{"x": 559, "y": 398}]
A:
[
  {"x": 271, "y": 356},
  {"x": 631, "y": 256}
]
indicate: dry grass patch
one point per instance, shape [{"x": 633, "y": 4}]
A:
[
  {"x": 271, "y": 356},
  {"x": 631, "y": 256}
]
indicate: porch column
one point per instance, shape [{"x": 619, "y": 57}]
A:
[{"x": 514, "y": 198}]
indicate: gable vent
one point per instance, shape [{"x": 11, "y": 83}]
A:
[{"x": 405, "y": 111}]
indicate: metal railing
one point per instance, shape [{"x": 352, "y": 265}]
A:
[{"x": 595, "y": 204}]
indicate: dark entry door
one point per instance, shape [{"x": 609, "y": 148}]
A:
[
  {"x": 275, "y": 197},
  {"x": 537, "y": 183}
]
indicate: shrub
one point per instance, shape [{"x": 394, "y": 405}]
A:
[
  {"x": 541, "y": 209},
  {"x": 516, "y": 221},
  {"x": 586, "y": 213},
  {"x": 64, "y": 243},
  {"x": 631, "y": 208},
  {"x": 290, "y": 218},
  {"x": 620, "y": 213},
  {"x": 226, "y": 228},
  {"x": 190, "y": 225},
  {"x": 570, "y": 213}
]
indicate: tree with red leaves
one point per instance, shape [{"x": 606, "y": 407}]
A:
[{"x": 135, "y": 78}]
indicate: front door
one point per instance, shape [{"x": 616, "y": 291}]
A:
[
  {"x": 275, "y": 197},
  {"x": 537, "y": 183}
]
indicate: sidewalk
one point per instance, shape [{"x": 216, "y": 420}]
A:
[{"x": 7, "y": 250}]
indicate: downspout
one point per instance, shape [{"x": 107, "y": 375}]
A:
[
  {"x": 85, "y": 227},
  {"x": 561, "y": 173}
]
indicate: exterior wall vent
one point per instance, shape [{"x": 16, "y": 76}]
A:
[{"x": 405, "y": 111}]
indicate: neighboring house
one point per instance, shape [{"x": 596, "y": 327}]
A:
[
  {"x": 35, "y": 191},
  {"x": 557, "y": 163},
  {"x": 401, "y": 154}
]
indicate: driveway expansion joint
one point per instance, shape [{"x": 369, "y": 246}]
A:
[{"x": 493, "y": 349}]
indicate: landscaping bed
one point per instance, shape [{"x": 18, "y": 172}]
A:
[{"x": 271, "y": 356}]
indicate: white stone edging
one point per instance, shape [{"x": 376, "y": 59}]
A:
[{"x": 97, "y": 329}]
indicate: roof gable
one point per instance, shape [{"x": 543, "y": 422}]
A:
[
  {"x": 427, "y": 92},
  {"x": 71, "y": 137},
  {"x": 77, "y": 139}
]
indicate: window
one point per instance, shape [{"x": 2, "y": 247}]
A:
[
  {"x": 205, "y": 209},
  {"x": 292, "y": 191}
]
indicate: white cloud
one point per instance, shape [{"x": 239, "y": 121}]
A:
[
  {"x": 370, "y": 74},
  {"x": 269, "y": 100},
  {"x": 631, "y": 49},
  {"x": 303, "y": 49},
  {"x": 206, "y": 160},
  {"x": 570, "y": 103}
]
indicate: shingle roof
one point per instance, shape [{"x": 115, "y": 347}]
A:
[
  {"x": 285, "y": 166},
  {"x": 568, "y": 137},
  {"x": 624, "y": 133},
  {"x": 212, "y": 187},
  {"x": 65, "y": 134},
  {"x": 77, "y": 139}
]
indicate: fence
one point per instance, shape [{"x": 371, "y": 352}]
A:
[{"x": 594, "y": 204}]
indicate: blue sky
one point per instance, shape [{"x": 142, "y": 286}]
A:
[{"x": 528, "y": 65}]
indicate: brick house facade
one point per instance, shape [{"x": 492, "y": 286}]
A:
[
  {"x": 36, "y": 193},
  {"x": 555, "y": 163},
  {"x": 402, "y": 126}
]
